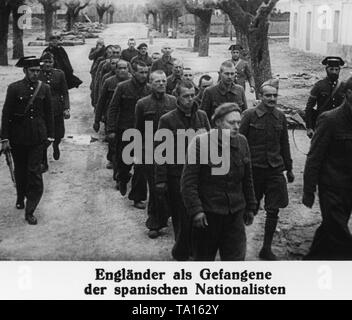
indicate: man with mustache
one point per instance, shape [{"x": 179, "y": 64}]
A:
[
  {"x": 265, "y": 128},
  {"x": 326, "y": 94}
]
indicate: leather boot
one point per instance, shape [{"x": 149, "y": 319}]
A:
[
  {"x": 269, "y": 230},
  {"x": 30, "y": 218}
]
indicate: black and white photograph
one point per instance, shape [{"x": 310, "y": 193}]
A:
[{"x": 175, "y": 130}]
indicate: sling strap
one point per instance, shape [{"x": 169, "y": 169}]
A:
[{"x": 31, "y": 100}]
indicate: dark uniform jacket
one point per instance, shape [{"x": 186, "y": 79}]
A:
[
  {"x": 128, "y": 54},
  {"x": 121, "y": 111},
  {"x": 171, "y": 83},
  {"x": 243, "y": 73},
  {"x": 267, "y": 135},
  {"x": 94, "y": 55},
  {"x": 55, "y": 78},
  {"x": 320, "y": 96},
  {"x": 164, "y": 63},
  {"x": 329, "y": 161},
  {"x": 203, "y": 191},
  {"x": 33, "y": 127},
  {"x": 62, "y": 62},
  {"x": 141, "y": 58},
  {"x": 174, "y": 120},
  {"x": 218, "y": 94},
  {"x": 105, "y": 96}
]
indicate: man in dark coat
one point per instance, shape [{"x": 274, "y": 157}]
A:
[
  {"x": 329, "y": 166},
  {"x": 219, "y": 196},
  {"x": 205, "y": 81},
  {"x": 142, "y": 56},
  {"x": 326, "y": 94},
  {"x": 186, "y": 116},
  {"x": 150, "y": 109},
  {"x": 121, "y": 116},
  {"x": 130, "y": 52},
  {"x": 166, "y": 62},
  {"x": 95, "y": 53},
  {"x": 60, "y": 102},
  {"x": 26, "y": 127},
  {"x": 265, "y": 128},
  {"x": 62, "y": 62},
  {"x": 224, "y": 91},
  {"x": 101, "y": 110}
]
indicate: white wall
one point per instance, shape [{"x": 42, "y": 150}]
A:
[{"x": 320, "y": 36}]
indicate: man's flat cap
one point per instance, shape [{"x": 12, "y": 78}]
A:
[
  {"x": 47, "y": 56},
  {"x": 28, "y": 62},
  {"x": 142, "y": 45},
  {"x": 224, "y": 109},
  {"x": 272, "y": 83},
  {"x": 333, "y": 62},
  {"x": 235, "y": 47}
]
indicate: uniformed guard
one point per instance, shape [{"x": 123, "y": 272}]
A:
[
  {"x": 243, "y": 71},
  {"x": 326, "y": 94},
  {"x": 142, "y": 56},
  {"x": 329, "y": 166},
  {"x": 27, "y": 124},
  {"x": 60, "y": 102}
]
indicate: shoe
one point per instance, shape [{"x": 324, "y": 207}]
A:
[
  {"x": 152, "y": 234},
  {"x": 44, "y": 168},
  {"x": 109, "y": 165},
  {"x": 56, "y": 153},
  {"x": 123, "y": 188},
  {"x": 139, "y": 205},
  {"x": 117, "y": 186},
  {"x": 31, "y": 219},
  {"x": 20, "y": 204},
  {"x": 267, "y": 254}
]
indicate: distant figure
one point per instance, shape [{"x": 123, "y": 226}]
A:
[
  {"x": 175, "y": 77},
  {"x": 62, "y": 62},
  {"x": 142, "y": 56},
  {"x": 243, "y": 71},
  {"x": 155, "y": 56},
  {"x": 130, "y": 52},
  {"x": 188, "y": 75},
  {"x": 166, "y": 62}
]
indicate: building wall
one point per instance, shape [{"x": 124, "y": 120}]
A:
[{"x": 321, "y": 26}]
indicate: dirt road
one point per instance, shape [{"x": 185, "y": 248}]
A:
[{"x": 81, "y": 215}]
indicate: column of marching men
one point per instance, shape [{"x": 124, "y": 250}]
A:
[{"x": 209, "y": 211}]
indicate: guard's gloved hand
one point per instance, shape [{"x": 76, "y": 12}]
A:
[
  {"x": 248, "y": 217},
  {"x": 67, "y": 114},
  {"x": 200, "y": 220},
  {"x": 96, "y": 126},
  {"x": 310, "y": 133},
  {"x": 308, "y": 199},
  {"x": 290, "y": 176}
]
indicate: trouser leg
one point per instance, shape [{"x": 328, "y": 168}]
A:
[
  {"x": 20, "y": 159},
  {"x": 233, "y": 238},
  {"x": 180, "y": 221},
  {"x": 158, "y": 212},
  {"x": 333, "y": 240},
  {"x": 34, "y": 187},
  {"x": 139, "y": 189},
  {"x": 205, "y": 241}
]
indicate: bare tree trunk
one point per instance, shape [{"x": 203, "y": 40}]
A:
[
  {"x": 175, "y": 27},
  {"x": 4, "y": 30},
  {"x": 226, "y": 26},
  {"x": 111, "y": 17},
  {"x": 204, "y": 32},
  {"x": 196, "y": 33},
  {"x": 17, "y": 37},
  {"x": 159, "y": 23},
  {"x": 155, "y": 20},
  {"x": 100, "y": 15},
  {"x": 48, "y": 22},
  {"x": 260, "y": 55}
]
